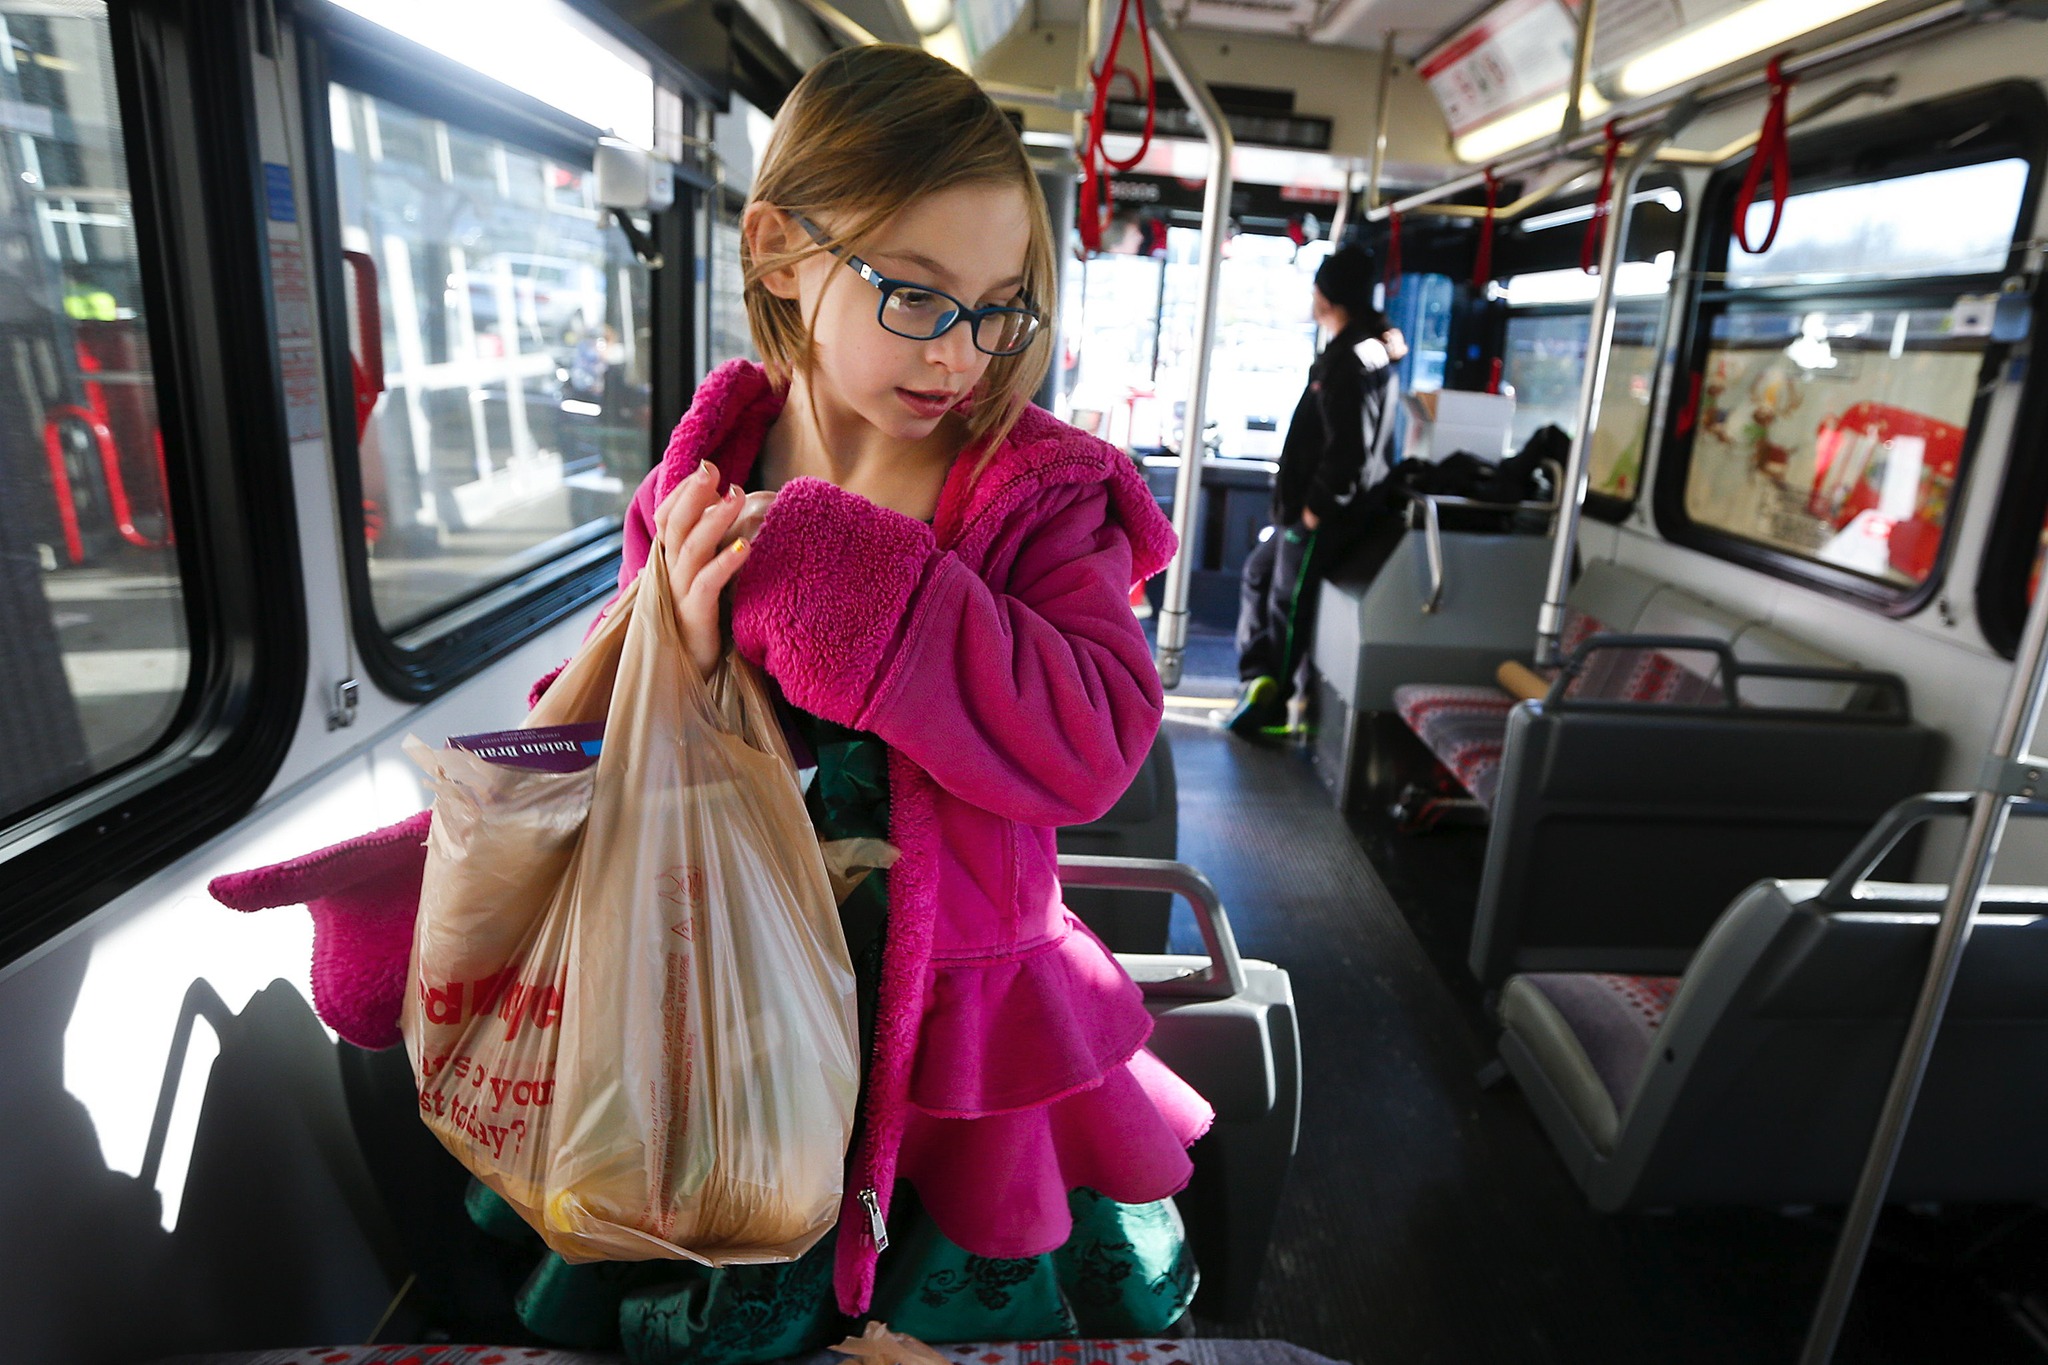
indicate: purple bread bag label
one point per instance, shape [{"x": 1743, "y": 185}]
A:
[{"x": 545, "y": 748}]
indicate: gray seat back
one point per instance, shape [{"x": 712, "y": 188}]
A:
[
  {"x": 1767, "y": 1074},
  {"x": 1144, "y": 823}
]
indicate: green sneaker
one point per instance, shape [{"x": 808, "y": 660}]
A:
[{"x": 1258, "y": 708}]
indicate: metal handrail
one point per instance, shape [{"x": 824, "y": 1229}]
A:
[
  {"x": 1432, "y": 524},
  {"x": 1173, "y": 608},
  {"x": 1224, "y": 976},
  {"x": 2011, "y": 775}
]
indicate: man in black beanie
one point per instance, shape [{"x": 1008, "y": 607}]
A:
[{"x": 1327, "y": 497}]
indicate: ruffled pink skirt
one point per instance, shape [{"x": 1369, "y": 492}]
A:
[{"x": 1031, "y": 1079}]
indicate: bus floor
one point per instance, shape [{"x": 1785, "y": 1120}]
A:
[{"x": 1428, "y": 1220}]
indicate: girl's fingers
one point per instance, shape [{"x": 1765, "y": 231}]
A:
[
  {"x": 702, "y": 541},
  {"x": 699, "y": 609},
  {"x": 685, "y": 504}
]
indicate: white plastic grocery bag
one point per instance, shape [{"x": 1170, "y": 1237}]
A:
[{"x": 632, "y": 1009}]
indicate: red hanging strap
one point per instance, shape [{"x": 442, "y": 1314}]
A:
[
  {"x": 1094, "y": 180},
  {"x": 1770, "y": 154},
  {"x": 1482, "y": 260},
  {"x": 1603, "y": 205},
  {"x": 1392, "y": 278}
]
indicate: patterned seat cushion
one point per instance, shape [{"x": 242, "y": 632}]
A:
[
  {"x": 1592, "y": 1033},
  {"x": 1464, "y": 727}
]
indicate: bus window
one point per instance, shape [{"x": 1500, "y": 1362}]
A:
[
  {"x": 1955, "y": 221},
  {"x": 1549, "y": 297},
  {"x": 514, "y": 421},
  {"x": 1546, "y": 364},
  {"x": 730, "y": 336},
  {"x": 93, "y": 602},
  {"x": 1836, "y": 380},
  {"x": 1835, "y": 435}
]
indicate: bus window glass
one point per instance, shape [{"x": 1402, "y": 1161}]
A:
[
  {"x": 1957, "y": 221},
  {"x": 514, "y": 420},
  {"x": 1835, "y": 434},
  {"x": 730, "y": 336},
  {"x": 1545, "y": 366},
  {"x": 90, "y": 595}
]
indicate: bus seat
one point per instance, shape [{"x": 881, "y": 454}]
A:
[
  {"x": 1144, "y": 823},
  {"x": 1619, "y": 831},
  {"x": 1372, "y": 634},
  {"x": 1756, "y": 1077},
  {"x": 1226, "y": 1025},
  {"x": 1612, "y": 593}
]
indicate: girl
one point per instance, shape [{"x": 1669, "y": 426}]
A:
[{"x": 936, "y": 575}]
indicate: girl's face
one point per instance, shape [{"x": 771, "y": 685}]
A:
[{"x": 968, "y": 241}]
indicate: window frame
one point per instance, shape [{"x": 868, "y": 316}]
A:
[
  {"x": 184, "y": 81},
  {"x": 466, "y": 634},
  {"x": 2007, "y": 120}
]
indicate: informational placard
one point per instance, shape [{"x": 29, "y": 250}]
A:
[
  {"x": 1520, "y": 51},
  {"x": 1514, "y": 54}
]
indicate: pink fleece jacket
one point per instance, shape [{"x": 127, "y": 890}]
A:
[{"x": 996, "y": 655}]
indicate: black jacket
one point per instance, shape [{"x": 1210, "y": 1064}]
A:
[{"x": 1339, "y": 442}]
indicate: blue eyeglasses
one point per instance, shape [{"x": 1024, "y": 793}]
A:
[{"x": 920, "y": 312}]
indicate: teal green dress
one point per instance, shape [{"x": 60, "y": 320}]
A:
[{"x": 1124, "y": 1272}]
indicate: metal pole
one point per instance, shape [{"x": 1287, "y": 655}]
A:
[
  {"x": 1582, "y": 65},
  {"x": 1342, "y": 218},
  {"x": 1084, "y": 66},
  {"x": 1712, "y": 91},
  {"x": 1379, "y": 121},
  {"x": 1187, "y": 487},
  {"x": 2008, "y": 773},
  {"x": 1599, "y": 344}
]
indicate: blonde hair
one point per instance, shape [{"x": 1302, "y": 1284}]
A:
[{"x": 866, "y": 133}]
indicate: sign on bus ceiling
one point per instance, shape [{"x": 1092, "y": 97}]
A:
[{"x": 1520, "y": 51}]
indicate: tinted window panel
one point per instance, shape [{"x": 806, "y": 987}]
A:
[
  {"x": 96, "y": 659},
  {"x": 514, "y": 419},
  {"x": 730, "y": 336},
  {"x": 1835, "y": 435},
  {"x": 1546, "y": 364},
  {"x": 1957, "y": 221}
]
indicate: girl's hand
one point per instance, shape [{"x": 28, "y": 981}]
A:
[{"x": 695, "y": 526}]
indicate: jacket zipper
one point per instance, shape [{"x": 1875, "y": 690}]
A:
[{"x": 878, "y": 1231}]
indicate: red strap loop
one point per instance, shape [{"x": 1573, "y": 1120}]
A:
[
  {"x": 1771, "y": 154},
  {"x": 1392, "y": 278},
  {"x": 1094, "y": 187},
  {"x": 1482, "y": 260},
  {"x": 1603, "y": 205}
]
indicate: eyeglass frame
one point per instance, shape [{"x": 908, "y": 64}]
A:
[{"x": 888, "y": 285}]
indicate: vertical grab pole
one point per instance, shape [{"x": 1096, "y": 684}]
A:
[
  {"x": 1187, "y": 487},
  {"x": 1600, "y": 343},
  {"x": 1379, "y": 122},
  {"x": 1582, "y": 65},
  {"x": 2009, "y": 772},
  {"x": 1084, "y": 66}
]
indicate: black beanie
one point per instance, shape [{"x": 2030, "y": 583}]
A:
[{"x": 1346, "y": 279}]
